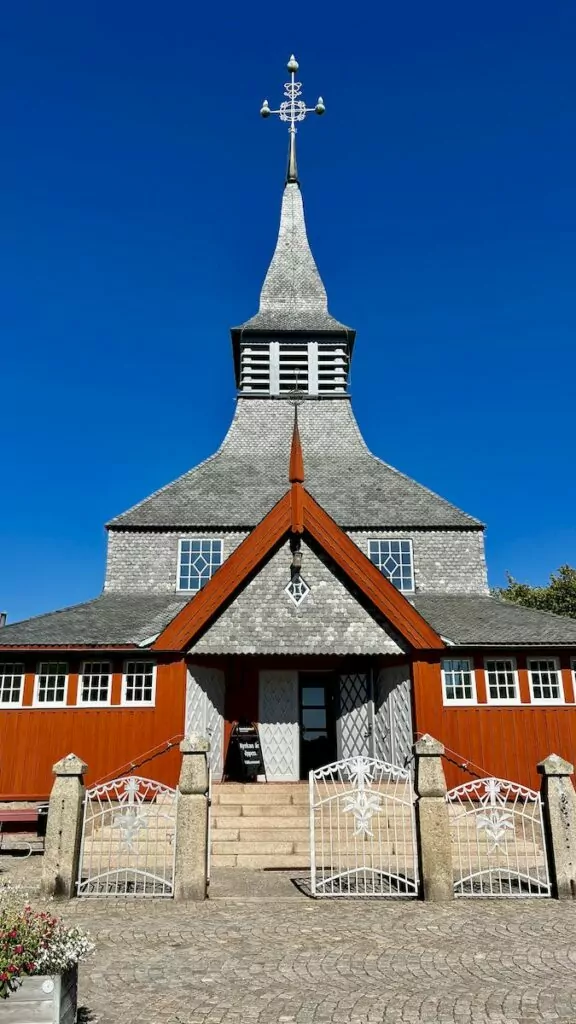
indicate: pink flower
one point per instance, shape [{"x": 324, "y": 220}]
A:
[{"x": 18, "y": 949}]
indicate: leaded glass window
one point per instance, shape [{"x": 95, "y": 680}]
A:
[
  {"x": 458, "y": 681},
  {"x": 51, "y": 683},
  {"x": 198, "y": 561},
  {"x": 297, "y": 589},
  {"x": 545, "y": 680},
  {"x": 394, "y": 559},
  {"x": 138, "y": 682},
  {"x": 11, "y": 683},
  {"x": 501, "y": 680},
  {"x": 94, "y": 684}
]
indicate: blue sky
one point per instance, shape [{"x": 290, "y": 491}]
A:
[{"x": 139, "y": 200}]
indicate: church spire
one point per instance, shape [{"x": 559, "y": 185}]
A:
[
  {"x": 292, "y": 340},
  {"x": 293, "y": 109}
]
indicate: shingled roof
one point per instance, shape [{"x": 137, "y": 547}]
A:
[
  {"x": 239, "y": 484},
  {"x": 293, "y": 297},
  {"x": 129, "y": 619},
  {"x": 474, "y": 620},
  {"x": 108, "y": 620}
]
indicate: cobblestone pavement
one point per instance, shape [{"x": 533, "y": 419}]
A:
[{"x": 280, "y": 958}]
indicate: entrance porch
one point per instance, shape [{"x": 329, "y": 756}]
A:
[{"x": 309, "y": 712}]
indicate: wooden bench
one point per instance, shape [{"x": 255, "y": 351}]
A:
[{"x": 35, "y": 817}]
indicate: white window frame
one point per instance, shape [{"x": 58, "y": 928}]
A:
[
  {"x": 550, "y": 701},
  {"x": 391, "y": 540},
  {"x": 6, "y": 706},
  {"x": 95, "y": 703},
  {"x": 182, "y": 540},
  {"x": 450, "y": 702},
  {"x": 514, "y": 670},
  {"x": 138, "y": 703},
  {"x": 36, "y": 702}
]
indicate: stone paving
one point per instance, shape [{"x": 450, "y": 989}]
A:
[{"x": 278, "y": 957}]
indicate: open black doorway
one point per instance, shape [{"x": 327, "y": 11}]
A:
[{"x": 317, "y": 720}]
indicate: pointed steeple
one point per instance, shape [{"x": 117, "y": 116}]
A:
[{"x": 293, "y": 298}]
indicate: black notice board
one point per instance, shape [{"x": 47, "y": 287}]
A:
[{"x": 244, "y": 760}]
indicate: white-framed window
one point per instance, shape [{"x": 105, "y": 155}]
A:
[
  {"x": 545, "y": 681},
  {"x": 395, "y": 561},
  {"x": 501, "y": 681},
  {"x": 198, "y": 559},
  {"x": 458, "y": 682},
  {"x": 51, "y": 684},
  {"x": 95, "y": 683},
  {"x": 11, "y": 684},
  {"x": 139, "y": 682}
]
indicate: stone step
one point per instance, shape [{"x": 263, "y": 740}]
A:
[
  {"x": 247, "y": 849},
  {"x": 260, "y": 810},
  {"x": 257, "y": 796}
]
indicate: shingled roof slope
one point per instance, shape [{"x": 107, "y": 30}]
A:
[
  {"x": 238, "y": 485},
  {"x": 467, "y": 619},
  {"x": 107, "y": 620},
  {"x": 293, "y": 297}
]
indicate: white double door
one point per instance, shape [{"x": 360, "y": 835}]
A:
[{"x": 363, "y": 725}]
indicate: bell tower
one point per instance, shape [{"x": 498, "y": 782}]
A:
[{"x": 292, "y": 342}]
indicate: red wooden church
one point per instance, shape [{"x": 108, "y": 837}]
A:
[{"x": 293, "y": 579}]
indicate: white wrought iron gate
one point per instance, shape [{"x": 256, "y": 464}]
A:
[
  {"x": 498, "y": 843},
  {"x": 128, "y": 839},
  {"x": 362, "y": 830}
]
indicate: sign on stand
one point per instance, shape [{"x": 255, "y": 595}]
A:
[{"x": 245, "y": 761}]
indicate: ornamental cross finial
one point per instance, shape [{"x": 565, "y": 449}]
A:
[{"x": 292, "y": 109}]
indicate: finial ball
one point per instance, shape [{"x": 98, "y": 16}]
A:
[
  {"x": 293, "y": 64},
  {"x": 265, "y": 109},
  {"x": 320, "y": 108}
]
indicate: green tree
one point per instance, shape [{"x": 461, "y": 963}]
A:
[{"x": 559, "y": 596}]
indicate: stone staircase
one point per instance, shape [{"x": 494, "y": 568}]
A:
[{"x": 260, "y": 825}]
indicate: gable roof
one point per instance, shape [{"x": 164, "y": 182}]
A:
[
  {"x": 237, "y": 486},
  {"x": 298, "y": 511},
  {"x": 332, "y": 619}
]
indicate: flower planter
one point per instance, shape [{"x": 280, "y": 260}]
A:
[{"x": 42, "y": 999}]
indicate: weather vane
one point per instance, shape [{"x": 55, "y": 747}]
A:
[{"x": 293, "y": 109}]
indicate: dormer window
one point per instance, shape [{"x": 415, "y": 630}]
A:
[
  {"x": 394, "y": 559},
  {"x": 198, "y": 559}
]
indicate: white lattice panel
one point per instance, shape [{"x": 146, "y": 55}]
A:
[
  {"x": 205, "y": 711},
  {"x": 279, "y": 731},
  {"x": 393, "y": 730},
  {"x": 354, "y": 726}
]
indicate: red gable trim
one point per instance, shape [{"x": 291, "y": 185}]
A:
[
  {"x": 179, "y": 634},
  {"x": 390, "y": 602},
  {"x": 195, "y": 615}
]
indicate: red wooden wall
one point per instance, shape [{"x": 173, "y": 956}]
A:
[
  {"x": 32, "y": 740},
  {"x": 502, "y": 740}
]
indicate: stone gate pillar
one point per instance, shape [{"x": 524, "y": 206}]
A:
[
  {"x": 191, "y": 860},
  {"x": 64, "y": 829},
  {"x": 559, "y": 812},
  {"x": 432, "y": 822}
]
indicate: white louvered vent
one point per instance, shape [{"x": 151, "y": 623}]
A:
[
  {"x": 276, "y": 368},
  {"x": 255, "y": 368},
  {"x": 292, "y": 368},
  {"x": 332, "y": 369}
]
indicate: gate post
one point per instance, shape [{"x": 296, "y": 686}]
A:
[
  {"x": 433, "y": 823},
  {"x": 64, "y": 829},
  {"x": 559, "y": 812},
  {"x": 191, "y": 860}
]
